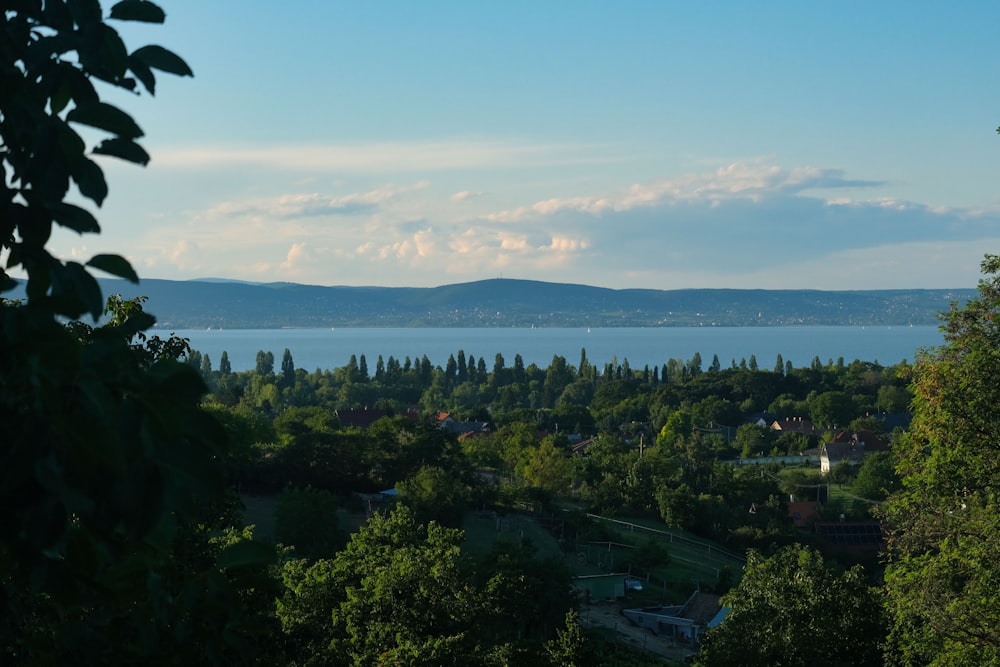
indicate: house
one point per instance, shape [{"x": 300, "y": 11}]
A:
[
  {"x": 793, "y": 425},
  {"x": 686, "y": 622},
  {"x": 448, "y": 423},
  {"x": 893, "y": 420},
  {"x": 359, "y": 417},
  {"x": 762, "y": 419},
  {"x": 848, "y": 446},
  {"x": 802, "y": 512}
]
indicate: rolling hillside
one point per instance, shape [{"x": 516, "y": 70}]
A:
[{"x": 521, "y": 303}]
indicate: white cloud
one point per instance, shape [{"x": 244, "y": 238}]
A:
[
  {"x": 466, "y": 195},
  {"x": 747, "y": 224},
  {"x": 383, "y": 157},
  {"x": 314, "y": 204},
  {"x": 740, "y": 180}
]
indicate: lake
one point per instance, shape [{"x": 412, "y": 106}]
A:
[{"x": 331, "y": 348}]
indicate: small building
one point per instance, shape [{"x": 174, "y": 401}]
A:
[
  {"x": 359, "y": 417},
  {"x": 448, "y": 423},
  {"x": 848, "y": 446},
  {"x": 601, "y": 586},
  {"x": 794, "y": 425},
  {"x": 685, "y": 623},
  {"x": 802, "y": 512}
]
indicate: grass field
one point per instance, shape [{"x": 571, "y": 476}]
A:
[
  {"x": 692, "y": 561},
  {"x": 482, "y": 530},
  {"x": 259, "y": 512}
]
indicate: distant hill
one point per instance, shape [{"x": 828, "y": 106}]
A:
[{"x": 521, "y": 303}]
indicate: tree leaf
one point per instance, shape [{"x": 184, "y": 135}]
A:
[
  {"x": 116, "y": 265},
  {"x": 160, "y": 58},
  {"x": 85, "y": 11},
  {"x": 102, "y": 52},
  {"x": 124, "y": 149},
  {"x": 75, "y": 290},
  {"x": 106, "y": 117},
  {"x": 143, "y": 73},
  {"x": 138, "y": 10},
  {"x": 89, "y": 180},
  {"x": 78, "y": 219}
]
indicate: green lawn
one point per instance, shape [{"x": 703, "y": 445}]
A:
[
  {"x": 259, "y": 512},
  {"x": 482, "y": 530}
]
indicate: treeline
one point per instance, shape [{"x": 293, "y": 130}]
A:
[
  {"x": 658, "y": 442},
  {"x": 639, "y": 443}
]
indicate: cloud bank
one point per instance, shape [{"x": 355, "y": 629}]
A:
[{"x": 751, "y": 224}]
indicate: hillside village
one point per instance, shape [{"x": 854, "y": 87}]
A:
[{"x": 665, "y": 477}]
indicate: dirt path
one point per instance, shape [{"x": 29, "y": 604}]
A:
[{"x": 608, "y": 615}]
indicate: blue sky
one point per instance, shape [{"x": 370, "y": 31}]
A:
[{"x": 660, "y": 144}]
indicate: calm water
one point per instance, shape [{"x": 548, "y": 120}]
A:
[{"x": 331, "y": 348}]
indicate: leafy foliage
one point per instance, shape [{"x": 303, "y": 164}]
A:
[
  {"x": 791, "y": 609},
  {"x": 306, "y": 519},
  {"x": 111, "y": 481},
  {"x": 943, "y": 580}
]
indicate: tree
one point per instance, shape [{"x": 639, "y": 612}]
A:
[
  {"x": 569, "y": 648},
  {"x": 287, "y": 368},
  {"x": 108, "y": 464},
  {"x": 434, "y": 494},
  {"x": 306, "y": 518},
  {"x": 547, "y": 468},
  {"x": 752, "y": 440},
  {"x": 677, "y": 427},
  {"x": 831, "y": 409},
  {"x": 225, "y": 368},
  {"x": 694, "y": 365},
  {"x": 942, "y": 579},
  {"x": 792, "y": 610},
  {"x": 876, "y": 478},
  {"x": 715, "y": 366},
  {"x": 206, "y": 366},
  {"x": 265, "y": 363},
  {"x": 407, "y": 598}
]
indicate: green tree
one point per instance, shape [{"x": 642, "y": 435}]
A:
[
  {"x": 677, "y": 427},
  {"x": 792, "y": 610},
  {"x": 407, "y": 598},
  {"x": 694, "y": 365},
  {"x": 265, "y": 362},
  {"x": 891, "y": 398},
  {"x": 287, "y": 368},
  {"x": 306, "y": 518},
  {"x": 715, "y": 366},
  {"x": 569, "y": 648},
  {"x": 225, "y": 368},
  {"x": 107, "y": 462},
  {"x": 876, "y": 478},
  {"x": 752, "y": 440},
  {"x": 547, "y": 467},
  {"x": 435, "y": 494},
  {"x": 942, "y": 579},
  {"x": 831, "y": 409}
]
